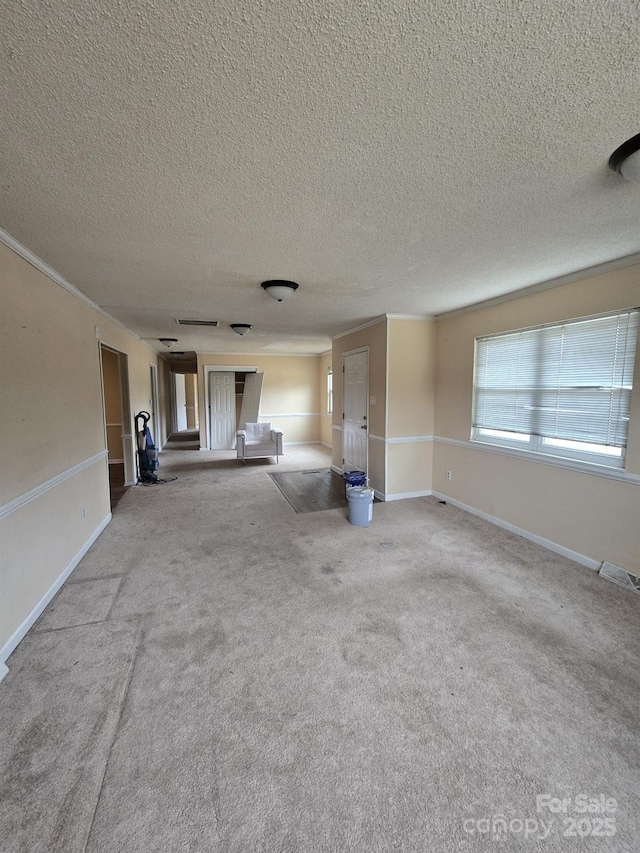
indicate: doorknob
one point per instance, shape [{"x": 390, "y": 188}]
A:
[{"x": 364, "y": 426}]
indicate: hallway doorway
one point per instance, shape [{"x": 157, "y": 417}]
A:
[
  {"x": 185, "y": 395},
  {"x": 117, "y": 422}
]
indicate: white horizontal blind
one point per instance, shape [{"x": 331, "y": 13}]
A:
[{"x": 570, "y": 381}]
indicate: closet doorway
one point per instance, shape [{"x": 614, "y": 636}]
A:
[{"x": 232, "y": 397}]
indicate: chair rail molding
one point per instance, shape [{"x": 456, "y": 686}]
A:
[
  {"x": 290, "y": 415},
  {"x": 32, "y": 494}
]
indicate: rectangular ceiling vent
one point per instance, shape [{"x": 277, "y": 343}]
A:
[{"x": 197, "y": 322}]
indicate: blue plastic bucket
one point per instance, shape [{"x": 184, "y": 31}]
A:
[{"x": 355, "y": 478}]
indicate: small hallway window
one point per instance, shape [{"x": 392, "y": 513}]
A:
[{"x": 330, "y": 390}]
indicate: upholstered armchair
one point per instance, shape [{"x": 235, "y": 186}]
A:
[{"x": 257, "y": 440}]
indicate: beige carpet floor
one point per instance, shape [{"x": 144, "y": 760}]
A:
[{"x": 222, "y": 674}]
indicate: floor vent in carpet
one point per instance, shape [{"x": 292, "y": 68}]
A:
[{"x": 620, "y": 576}]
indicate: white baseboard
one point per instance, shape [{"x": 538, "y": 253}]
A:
[
  {"x": 398, "y": 496},
  {"x": 22, "y": 629},
  {"x": 326, "y": 444},
  {"x": 401, "y": 496},
  {"x": 298, "y": 443},
  {"x": 4, "y": 669},
  {"x": 589, "y": 562}
]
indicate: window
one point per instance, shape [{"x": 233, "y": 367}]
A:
[
  {"x": 330, "y": 391},
  {"x": 562, "y": 389}
]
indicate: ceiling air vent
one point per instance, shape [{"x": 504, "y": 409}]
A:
[{"x": 197, "y": 322}]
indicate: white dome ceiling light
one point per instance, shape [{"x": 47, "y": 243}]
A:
[
  {"x": 625, "y": 160},
  {"x": 168, "y": 342},
  {"x": 279, "y": 289},
  {"x": 240, "y": 328}
]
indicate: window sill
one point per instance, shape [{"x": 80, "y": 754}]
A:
[{"x": 610, "y": 473}]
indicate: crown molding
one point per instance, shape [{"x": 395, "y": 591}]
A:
[
  {"x": 226, "y": 354},
  {"x": 43, "y": 267},
  {"x": 548, "y": 284},
  {"x": 411, "y": 317},
  {"x": 381, "y": 319}
]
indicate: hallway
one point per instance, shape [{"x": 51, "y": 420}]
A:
[
  {"x": 221, "y": 674},
  {"x": 187, "y": 439}
]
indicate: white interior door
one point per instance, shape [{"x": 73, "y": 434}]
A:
[
  {"x": 222, "y": 410},
  {"x": 181, "y": 402},
  {"x": 355, "y": 443}
]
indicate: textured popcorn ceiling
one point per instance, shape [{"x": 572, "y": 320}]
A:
[{"x": 402, "y": 157}]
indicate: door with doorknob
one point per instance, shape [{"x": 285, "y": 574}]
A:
[{"x": 355, "y": 442}]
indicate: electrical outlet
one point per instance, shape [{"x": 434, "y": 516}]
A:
[
  {"x": 83, "y": 513},
  {"x": 448, "y": 475}
]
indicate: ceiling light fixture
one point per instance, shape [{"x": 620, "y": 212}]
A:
[
  {"x": 279, "y": 289},
  {"x": 625, "y": 160},
  {"x": 168, "y": 342},
  {"x": 240, "y": 328}
]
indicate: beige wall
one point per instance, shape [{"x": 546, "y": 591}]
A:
[
  {"x": 411, "y": 405},
  {"x": 409, "y": 469},
  {"x": 402, "y": 357},
  {"x": 50, "y": 369},
  {"x": 42, "y": 538},
  {"x": 591, "y": 515},
  {"x": 290, "y": 393},
  {"x": 324, "y": 363},
  {"x": 50, "y": 375},
  {"x": 375, "y": 338},
  {"x": 165, "y": 419},
  {"x": 412, "y": 377}
]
